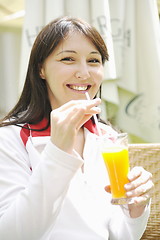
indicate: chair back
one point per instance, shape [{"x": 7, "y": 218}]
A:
[{"x": 147, "y": 155}]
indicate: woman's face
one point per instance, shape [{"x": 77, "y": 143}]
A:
[{"x": 73, "y": 68}]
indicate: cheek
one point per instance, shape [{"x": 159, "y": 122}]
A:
[
  {"x": 99, "y": 75},
  {"x": 67, "y": 71}
]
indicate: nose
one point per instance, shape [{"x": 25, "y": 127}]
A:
[{"x": 82, "y": 72}]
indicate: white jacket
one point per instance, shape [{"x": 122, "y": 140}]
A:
[{"x": 44, "y": 195}]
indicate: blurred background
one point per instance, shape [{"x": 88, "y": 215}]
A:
[{"x": 131, "y": 30}]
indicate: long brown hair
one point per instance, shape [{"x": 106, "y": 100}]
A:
[{"x": 33, "y": 104}]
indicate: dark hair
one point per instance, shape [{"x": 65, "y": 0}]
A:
[{"x": 34, "y": 105}]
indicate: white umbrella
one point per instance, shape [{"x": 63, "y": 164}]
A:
[{"x": 138, "y": 50}]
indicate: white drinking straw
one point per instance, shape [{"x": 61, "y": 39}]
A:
[{"x": 95, "y": 117}]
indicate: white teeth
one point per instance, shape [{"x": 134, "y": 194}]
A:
[{"x": 79, "y": 88}]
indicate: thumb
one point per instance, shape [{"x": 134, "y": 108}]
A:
[{"x": 108, "y": 188}]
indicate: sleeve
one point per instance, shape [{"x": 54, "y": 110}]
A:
[
  {"x": 122, "y": 226},
  {"x": 30, "y": 202}
]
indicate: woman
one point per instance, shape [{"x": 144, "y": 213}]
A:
[{"x": 52, "y": 175}]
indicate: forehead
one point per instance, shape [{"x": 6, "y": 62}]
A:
[{"x": 76, "y": 41}]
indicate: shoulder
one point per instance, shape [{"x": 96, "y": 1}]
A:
[
  {"x": 12, "y": 148},
  {"x": 11, "y": 129},
  {"x": 10, "y": 135}
]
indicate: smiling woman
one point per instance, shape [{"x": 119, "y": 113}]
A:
[{"x": 52, "y": 173}]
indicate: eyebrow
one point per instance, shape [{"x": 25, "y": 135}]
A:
[{"x": 72, "y": 51}]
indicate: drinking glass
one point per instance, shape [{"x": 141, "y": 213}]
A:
[{"x": 116, "y": 159}]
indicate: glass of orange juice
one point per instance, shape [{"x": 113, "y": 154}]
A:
[{"x": 116, "y": 159}]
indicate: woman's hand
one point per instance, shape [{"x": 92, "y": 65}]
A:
[
  {"x": 68, "y": 119},
  {"x": 140, "y": 188}
]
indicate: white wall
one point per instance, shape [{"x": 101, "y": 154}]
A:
[{"x": 10, "y": 47}]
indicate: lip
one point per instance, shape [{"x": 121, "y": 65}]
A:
[{"x": 74, "y": 87}]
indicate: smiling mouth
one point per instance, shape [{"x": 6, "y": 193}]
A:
[{"x": 80, "y": 88}]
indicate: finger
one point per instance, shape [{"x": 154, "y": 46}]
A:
[
  {"x": 77, "y": 115},
  {"x": 138, "y": 178},
  {"x": 73, "y": 117},
  {"x": 142, "y": 200},
  {"x": 141, "y": 190},
  {"x": 73, "y": 107},
  {"x": 86, "y": 103},
  {"x": 82, "y": 121},
  {"x": 90, "y": 104},
  {"x": 135, "y": 173}
]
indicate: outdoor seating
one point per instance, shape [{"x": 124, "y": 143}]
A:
[{"x": 148, "y": 156}]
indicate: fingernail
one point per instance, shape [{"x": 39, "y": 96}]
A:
[
  {"x": 129, "y": 194},
  {"x": 96, "y": 109},
  {"x": 130, "y": 176},
  {"x": 97, "y": 100},
  {"x": 127, "y": 187}
]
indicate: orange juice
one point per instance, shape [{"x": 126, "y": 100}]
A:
[{"x": 117, "y": 164}]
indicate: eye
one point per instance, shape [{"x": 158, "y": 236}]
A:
[
  {"x": 67, "y": 59},
  {"x": 94, "y": 60}
]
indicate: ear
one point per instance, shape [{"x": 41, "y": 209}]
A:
[{"x": 41, "y": 72}]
